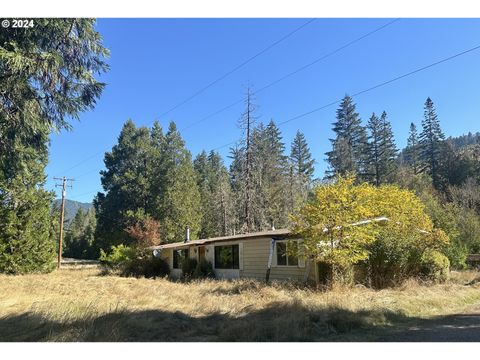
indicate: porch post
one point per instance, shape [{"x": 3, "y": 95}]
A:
[{"x": 270, "y": 258}]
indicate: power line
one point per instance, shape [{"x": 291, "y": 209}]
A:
[
  {"x": 88, "y": 172},
  {"x": 236, "y": 68},
  {"x": 85, "y": 193},
  {"x": 363, "y": 91},
  {"x": 303, "y": 67},
  {"x": 209, "y": 85},
  {"x": 370, "y": 89},
  {"x": 85, "y": 160},
  {"x": 296, "y": 71}
]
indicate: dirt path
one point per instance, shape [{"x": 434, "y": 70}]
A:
[{"x": 459, "y": 327}]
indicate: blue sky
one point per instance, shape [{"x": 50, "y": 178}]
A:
[{"x": 157, "y": 63}]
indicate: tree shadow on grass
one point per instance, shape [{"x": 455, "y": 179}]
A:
[{"x": 279, "y": 322}]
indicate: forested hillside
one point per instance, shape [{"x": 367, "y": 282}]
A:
[{"x": 71, "y": 208}]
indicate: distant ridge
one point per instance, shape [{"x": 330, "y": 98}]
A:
[{"x": 71, "y": 208}]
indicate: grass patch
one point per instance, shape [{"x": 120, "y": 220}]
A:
[{"x": 80, "y": 305}]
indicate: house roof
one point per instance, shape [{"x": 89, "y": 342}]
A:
[
  {"x": 260, "y": 234},
  {"x": 269, "y": 233}
]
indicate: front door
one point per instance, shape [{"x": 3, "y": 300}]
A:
[{"x": 201, "y": 253}]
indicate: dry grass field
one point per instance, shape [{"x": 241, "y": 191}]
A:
[{"x": 82, "y": 305}]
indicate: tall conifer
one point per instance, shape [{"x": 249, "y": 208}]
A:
[
  {"x": 412, "y": 149},
  {"x": 431, "y": 143},
  {"x": 349, "y": 147}
]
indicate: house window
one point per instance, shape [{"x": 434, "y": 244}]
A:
[
  {"x": 227, "y": 257},
  {"x": 178, "y": 257},
  {"x": 283, "y": 256}
]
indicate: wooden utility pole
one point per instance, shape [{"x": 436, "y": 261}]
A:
[{"x": 64, "y": 186}]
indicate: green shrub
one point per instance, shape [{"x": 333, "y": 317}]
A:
[
  {"x": 435, "y": 266},
  {"x": 128, "y": 261},
  {"x": 188, "y": 267},
  {"x": 456, "y": 253},
  {"x": 392, "y": 260},
  {"x": 204, "y": 269},
  {"x": 119, "y": 256}
]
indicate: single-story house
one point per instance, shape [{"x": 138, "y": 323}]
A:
[{"x": 259, "y": 255}]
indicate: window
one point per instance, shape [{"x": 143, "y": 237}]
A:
[
  {"x": 227, "y": 257},
  {"x": 178, "y": 257},
  {"x": 282, "y": 258}
]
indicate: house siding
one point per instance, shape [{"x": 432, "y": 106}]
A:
[{"x": 255, "y": 263}]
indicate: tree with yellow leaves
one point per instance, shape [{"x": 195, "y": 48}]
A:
[{"x": 342, "y": 222}]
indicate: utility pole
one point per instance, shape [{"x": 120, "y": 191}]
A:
[{"x": 64, "y": 186}]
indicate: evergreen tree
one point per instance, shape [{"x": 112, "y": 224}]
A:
[
  {"x": 301, "y": 171},
  {"x": 216, "y": 195},
  {"x": 26, "y": 231},
  {"x": 454, "y": 167},
  {"x": 201, "y": 166},
  {"x": 237, "y": 179},
  {"x": 47, "y": 77},
  {"x": 431, "y": 143},
  {"x": 374, "y": 126},
  {"x": 388, "y": 150},
  {"x": 301, "y": 158},
  {"x": 270, "y": 177},
  {"x": 246, "y": 124},
  {"x": 126, "y": 183},
  {"x": 79, "y": 237},
  {"x": 180, "y": 199},
  {"x": 412, "y": 150},
  {"x": 222, "y": 197},
  {"x": 155, "y": 171},
  {"x": 349, "y": 147}
]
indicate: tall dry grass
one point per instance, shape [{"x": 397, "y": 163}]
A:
[{"x": 81, "y": 305}]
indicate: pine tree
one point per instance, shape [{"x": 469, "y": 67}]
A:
[
  {"x": 382, "y": 152},
  {"x": 200, "y": 164},
  {"x": 222, "y": 196},
  {"x": 156, "y": 174},
  {"x": 237, "y": 179},
  {"x": 301, "y": 158},
  {"x": 412, "y": 150},
  {"x": 180, "y": 202},
  {"x": 301, "y": 169},
  {"x": 431, "y": 142},
  {"x": 270, "y": 178},
  {"x": 26, "y": 232},
  {"x": 47, "y": 78},
  {"x": 79, "y": 237},
  {"x": 349, "y": 147},
  {"x": 246, "y": 124},
  {"x": 216, "y": 195},
  {"x": 374, "y": 126},
  {"x": 388, "y": 154},
  {"x": 127, "y": 185}
]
